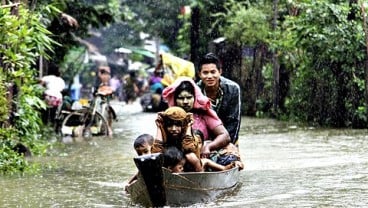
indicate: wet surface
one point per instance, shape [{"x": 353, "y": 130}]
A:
[{"x": 286, "y": 166}]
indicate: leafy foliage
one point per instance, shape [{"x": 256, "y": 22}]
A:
[
  {"x": 183, "y": 46},
  {"x": 245, "y": 26},
  {"x": 330, "y": 59},
  {"x": 320, "y": 48},
  {"x": 74, "y": 63},
  {"x": 88, "y": 13},
  {"x": 157, "y": 19},
  {"x": 24, "y": 38},
  {"x": 4, "y": 110}
]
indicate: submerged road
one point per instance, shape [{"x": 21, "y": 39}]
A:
[{"x": 285, "y": 166}]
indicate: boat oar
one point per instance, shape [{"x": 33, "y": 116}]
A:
[{"x": 150, "y": 167}]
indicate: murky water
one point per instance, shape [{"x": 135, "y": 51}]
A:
[{"x": 286, "y": 166}]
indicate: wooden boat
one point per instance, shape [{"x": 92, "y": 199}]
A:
[{"x": 157, "y": 186}]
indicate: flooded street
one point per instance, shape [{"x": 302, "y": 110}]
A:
[{"x": 285, "y": 166}]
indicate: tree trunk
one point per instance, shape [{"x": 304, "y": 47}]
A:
[
  {"x": 194, "y": 36},
  {"x": 15, "y": 10},
  {"x": 276, "y": 65},
  {"x": 366, "y": 58},
  {"x": 12, "y": 90}
]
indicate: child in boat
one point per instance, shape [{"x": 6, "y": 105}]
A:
[
  {"x": 175, "y": 129},
  {"x": 209, "y": 164},
  {"x": 174, "y": 159},
  {"x": 228, "y": 155},
  {"x": 142, "y": 145}
]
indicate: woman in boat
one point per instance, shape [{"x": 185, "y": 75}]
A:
[{"x": 186, "y": 94}]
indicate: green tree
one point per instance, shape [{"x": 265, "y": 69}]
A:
[
  {"x": 330, "y": 50},
  {"x": 88, "y": 13},
  {"x": 320, "y": 48},
  {"x": 23, "y": 40},
  {"x": 28, "y": 32},
  {"x": 160, "y": 19},
  {"x": 247, "y": 25}
]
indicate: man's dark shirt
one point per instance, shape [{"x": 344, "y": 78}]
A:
[{"x": 228, "y": 106}]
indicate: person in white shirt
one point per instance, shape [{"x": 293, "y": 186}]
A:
[{"x": 54, "y": 85}]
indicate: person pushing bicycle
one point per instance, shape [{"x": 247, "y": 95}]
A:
[{"x": 104, "y": 89}]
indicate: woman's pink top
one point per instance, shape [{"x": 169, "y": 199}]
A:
[{"x": 205, "y": 124}]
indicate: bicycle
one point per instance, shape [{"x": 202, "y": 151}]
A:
[
  {"x": 94, "y": 120},
  {"x": 64, "y": 109},
  {"x": 59, "y": 118}
]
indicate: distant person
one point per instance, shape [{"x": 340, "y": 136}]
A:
[
  {"x": 223, "y": 93},
  {"x": 54, "y": 85},
  {"x": 156, "y": 88},
  {"x": 104, "y": 76},
  {"x": 63, "y": 110},
  {"x": 142, "y": 85},
  {"x": 104, "y": 88},
  {"x": 67, "y": 100},
  {"x": 155, "y": 81},
  {"x": 130, "y": 87},
  {"x": 115, "y": 85}
]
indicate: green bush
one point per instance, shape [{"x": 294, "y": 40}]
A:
[{"x": 24, "y": 38}]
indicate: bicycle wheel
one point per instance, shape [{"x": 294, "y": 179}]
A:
[
  {"x": 59, "y": 121},
  {"x": 99, "y": 126},
  {"x": 80, "y": 121}
]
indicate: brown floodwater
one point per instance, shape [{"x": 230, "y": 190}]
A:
[{"x": 286, "y": 166}]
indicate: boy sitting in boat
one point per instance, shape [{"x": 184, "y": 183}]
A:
[
  {"x": 142, "y": 145},
  {"x": 174, "y": 159}
]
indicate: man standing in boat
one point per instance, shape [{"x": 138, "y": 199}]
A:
[{"x": 223, "y": 93}]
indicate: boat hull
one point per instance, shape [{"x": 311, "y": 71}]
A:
[
  {"x": 184, "y": 189},
  {"x": 191, "y": 188}
]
